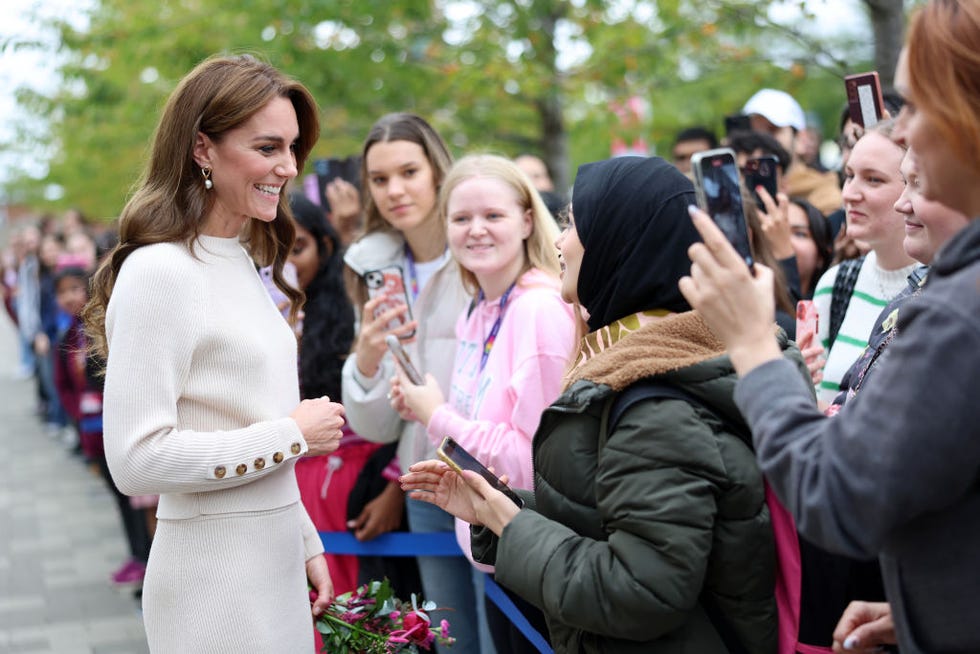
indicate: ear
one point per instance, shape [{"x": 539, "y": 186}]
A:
[
  {"x": 202, "y": 150},
  {"x": 528, "y": 224}
]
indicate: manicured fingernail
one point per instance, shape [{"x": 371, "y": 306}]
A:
[
  {"x": 691, "y": 209},
  {"x": 850, "y": 642}
]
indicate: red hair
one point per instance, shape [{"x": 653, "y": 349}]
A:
[{"x": 944, "y": 73}]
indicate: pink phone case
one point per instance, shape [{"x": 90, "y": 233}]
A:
[
  {"x": 806, "y": 322},
  {"x": 391, "y": 282}
]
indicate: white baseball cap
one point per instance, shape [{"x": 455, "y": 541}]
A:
[{"x": 778, "y": 107}]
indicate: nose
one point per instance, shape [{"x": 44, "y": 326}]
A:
[
  {"x": 850, "y": 192},
  {"x": 901, "y": 128},
  {"x": 395, "y": 186},
  {"x": 903, "y": 204},
  {"x": 478, "y": 225},
  {"x": 287, "y": 168}
]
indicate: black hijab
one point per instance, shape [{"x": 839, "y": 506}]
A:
[{"x": 631, "y": 216}]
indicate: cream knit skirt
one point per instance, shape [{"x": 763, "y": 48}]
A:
[{"x": 228, "y": 583}]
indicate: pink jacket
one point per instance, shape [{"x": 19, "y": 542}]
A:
[{"x": 494, "y": 414}]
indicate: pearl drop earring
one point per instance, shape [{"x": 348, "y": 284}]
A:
[{"x": 208, "y": 184}]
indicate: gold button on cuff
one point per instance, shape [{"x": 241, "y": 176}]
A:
[
  {"x": 240, "y": 470},
  {"x": 219, "y": 472},
  {"x": 278, "y": 457},
  {"x": 259, "y": 463},
  {"x": 295, "y": 448}
]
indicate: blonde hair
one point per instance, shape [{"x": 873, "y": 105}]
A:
[
  {"x": 539, "y": 247},
  {"x": 171, "y": 203}
]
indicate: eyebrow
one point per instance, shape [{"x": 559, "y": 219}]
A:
[
  {"x": 269, "y": 137},
  {"x": 375, "y": 171}
]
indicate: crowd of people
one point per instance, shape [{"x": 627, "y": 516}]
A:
[{"x": 689, "y": 473}]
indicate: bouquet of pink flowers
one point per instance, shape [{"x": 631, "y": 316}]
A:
[{"x": 372, "y": 620}]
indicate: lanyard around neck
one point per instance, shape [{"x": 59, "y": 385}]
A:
[
  {"x": 413, "y": 278},
  {"x": 492, "y": 337}
]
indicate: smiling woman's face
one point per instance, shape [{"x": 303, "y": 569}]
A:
[
  {"x": 250, "y": 166},
  {"x": 571, "y": 251}
]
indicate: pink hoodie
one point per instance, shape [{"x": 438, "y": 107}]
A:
[{"x": 494, "y": 414}]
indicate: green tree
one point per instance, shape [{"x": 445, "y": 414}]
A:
[{"x": 504, "y": 75}]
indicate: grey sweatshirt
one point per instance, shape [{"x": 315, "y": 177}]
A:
[{"x": 897, "y": 474}]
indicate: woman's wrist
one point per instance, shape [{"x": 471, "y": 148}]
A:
[{"x": 748, "y": 357}]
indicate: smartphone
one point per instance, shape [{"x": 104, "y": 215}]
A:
[
  {"x": 391, "y": 282},
  {"x": 327, "y": 170},
  {"x": 737, "y": 123},
  {"x": 864, "y": 102},
  {"x": 459, "y": 459},
  {"x": 806, "y": 322},
  {"x": 719, "y": 191},
  {"x": 396, "y": 349},
  {"x": 761, "y": 171}
]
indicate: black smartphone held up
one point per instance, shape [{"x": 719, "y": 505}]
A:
[
  {"x": 864, "y": 102},
  {"x": 390, "y": 281},
  {"x": 761, "y": 171},
  {"x": 737, "y": 123},
  {"x": 327, "y": 170},
  {"x": 716, "y": 182},
  {"x": 459, "y": 459},
  {"x": 396, "y": 349}
]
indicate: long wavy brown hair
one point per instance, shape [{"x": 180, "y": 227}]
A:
[{"x": 170, "y": 203}]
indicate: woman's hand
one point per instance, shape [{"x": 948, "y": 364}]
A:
[
  {"x": 320, "y": 421},
  {"x": 812, "y": 351},
  {"x": 436, "y": 483},
  {"x": 415, "y": 402},
  {"x": 371, "y": 347},
  {"x": 319, "y": 577},
  {"x": 739, "y": 308},
  {"x": 380, "y": 515},
  {"x": 493, "y": 509},
  {"x": 775, "y": 224},
  {"x": 864, "y": 627},
  {"x": 345, "y": 208},
  {"x": 469, "y": 496}
]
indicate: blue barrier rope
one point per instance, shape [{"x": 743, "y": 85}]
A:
[
  {"x": 507, "y": 606},
  {"x": 440, "y": 543},
  {"x": 397, "y": 543}
]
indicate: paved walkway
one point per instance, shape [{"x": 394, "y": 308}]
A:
[{"x": 60, "y": 539}]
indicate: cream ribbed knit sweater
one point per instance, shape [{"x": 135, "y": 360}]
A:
[{"x": 201, "y": 378}]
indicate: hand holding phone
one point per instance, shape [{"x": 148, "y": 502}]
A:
[
  {"x": 806, "y": 322},
  {"x": 401, "y": 356},
  {"x": 865, "y": 105},
  {"x": 719, "y": 192},
  {"x": 459, "y": 459},
  {"x": 390, "y": 282},
  {"x": 762, "y": 171}
]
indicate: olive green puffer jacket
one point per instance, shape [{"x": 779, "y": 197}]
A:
[{"x": 623, "y": 545}]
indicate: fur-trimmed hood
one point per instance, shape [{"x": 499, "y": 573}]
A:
[{"x": 671, "y": 343}]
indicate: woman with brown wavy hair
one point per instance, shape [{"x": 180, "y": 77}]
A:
[
  {"x": 894, "y": 476},
  {"x": 201, "y": 395}
]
